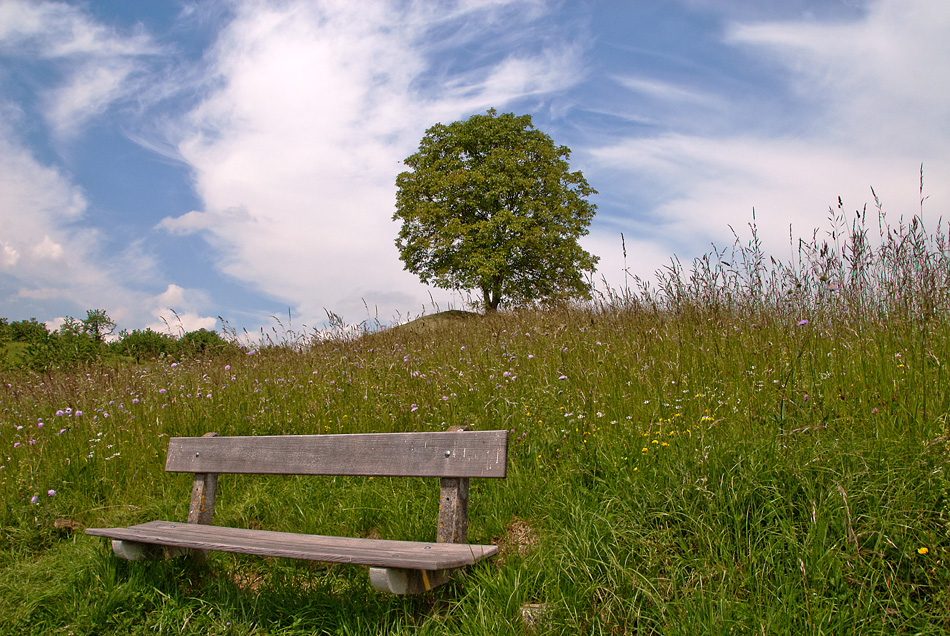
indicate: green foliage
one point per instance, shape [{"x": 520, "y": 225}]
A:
[
  {"x": 97, "y": 324},
  {"x": 145, "y": 345},
  {"x": 26, "y": 330},
  {"x": 490, "y": 204},
  {"x": 202, "y": 343}
]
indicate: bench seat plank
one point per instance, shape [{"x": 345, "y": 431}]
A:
[
  {"x": 441, "y": 454},
  {"x": 370, "y": 552}
]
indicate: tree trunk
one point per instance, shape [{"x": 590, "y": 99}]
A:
[{"x": 491, "y": 300}]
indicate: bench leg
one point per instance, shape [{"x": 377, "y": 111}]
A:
[
  {"x": 401, "y": 581},
  {"x": 136, "y": 551}
]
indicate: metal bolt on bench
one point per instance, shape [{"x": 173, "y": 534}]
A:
[{"x": 398, "y": 567}]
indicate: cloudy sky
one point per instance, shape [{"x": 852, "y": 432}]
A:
[{"x": 176, "y": 162}]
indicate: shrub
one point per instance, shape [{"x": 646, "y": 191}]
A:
[{"x": 145, "y": 344}]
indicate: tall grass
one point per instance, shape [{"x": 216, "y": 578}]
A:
[{"x": 749, "y": 446}]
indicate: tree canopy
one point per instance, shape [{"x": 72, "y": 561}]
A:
[{"x": 490, "y": 204}]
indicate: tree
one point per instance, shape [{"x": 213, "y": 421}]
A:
[
  {"x": 490, "y": 204},
  {"x": 97, "y": 324}
]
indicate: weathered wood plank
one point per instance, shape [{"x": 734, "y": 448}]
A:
[
  {"x": 370, "y": 552},
  {"x": 453, "y": 511},
  {"x": 442, "y": 454}
]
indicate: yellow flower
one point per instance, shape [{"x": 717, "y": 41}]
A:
[{"x": 922, "y": 550}]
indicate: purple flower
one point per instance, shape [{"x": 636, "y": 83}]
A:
[
  {"x": 50, "y": 493},
  {"x": 802, "y": 323},
  {"x": 227, "y": 367},
  {"x": 59, "y": 413},
  {"x": 61, "y": 431},
  {"x": 563, "y": 377},
  {"x": 34, "y": 499},
  {"x": 39, "y": 425},
  {"x": 15, "y": 444},
  {"x": 874, "y": 410},
  {"x": 251, "y": 352},
  {"x": 77, "y": 414},
  {"x": 413, "y": 408}
]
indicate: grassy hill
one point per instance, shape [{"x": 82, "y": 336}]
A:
[
  {"x": 668, "y": 473},
  {"x": 735, "y": 450}
]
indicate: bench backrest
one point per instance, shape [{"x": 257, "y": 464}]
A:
[{"x": 443, "y": 454}]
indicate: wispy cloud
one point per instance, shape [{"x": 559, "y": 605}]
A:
[
  {"x": 873, "y": 109},
  {"x": 52, "y": 257},
  {"x": 99, "y": 65}
]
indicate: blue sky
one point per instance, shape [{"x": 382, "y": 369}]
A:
[{"x": 176, "y": 162}]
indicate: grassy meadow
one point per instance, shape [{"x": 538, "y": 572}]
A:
[{"x": 741, "y": 447}]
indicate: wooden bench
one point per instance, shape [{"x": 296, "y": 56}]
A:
[{"x": 398, "y": 567}]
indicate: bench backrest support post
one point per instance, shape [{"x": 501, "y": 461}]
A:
[
  {"x": 201, "y": 510},
  {"x": 453, "y": 505},
  {"x": 203, "y": 490},
  {"x": 453, "y": 511}
]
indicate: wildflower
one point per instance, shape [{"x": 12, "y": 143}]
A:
[
  {"x": 50, "y": 493},
  {"x": 77, "y": 414},
  {"x": 413, "y": 408},
  {"x": 251, "y": 352},
  {"x": 34, "y": 499},
  {"x": 39, "y": 425},
  {"x": 874, "y": 410},
  {"x": 563, "y": 377},
  {"x": 59, "y": 413},
  {"x": 61, "y": 431},
  {"x": 161, "y": 390},
  {"x": 227, "y": 367},
  {"x": 802, "y": 323},
  {"x": 922, "y": 551}
]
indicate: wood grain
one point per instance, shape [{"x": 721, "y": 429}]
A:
[
  {"x": 370, "y": 552},
  {"x": 443, "y": 454}
]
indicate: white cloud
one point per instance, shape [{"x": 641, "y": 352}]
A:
[
  {"x": 878, "y": 108},
  {"x": 665, "y": 91},
  {"x": 100, "y": 64},
  {"x": 175, "y": 311},
  {"x": 10, "y": 256},
  {"x": 53, "y": 258},
  {"x": 881, "y": 78},
  {"x": 295, "y": 154},
  {"x": 48, "y": 250}
]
